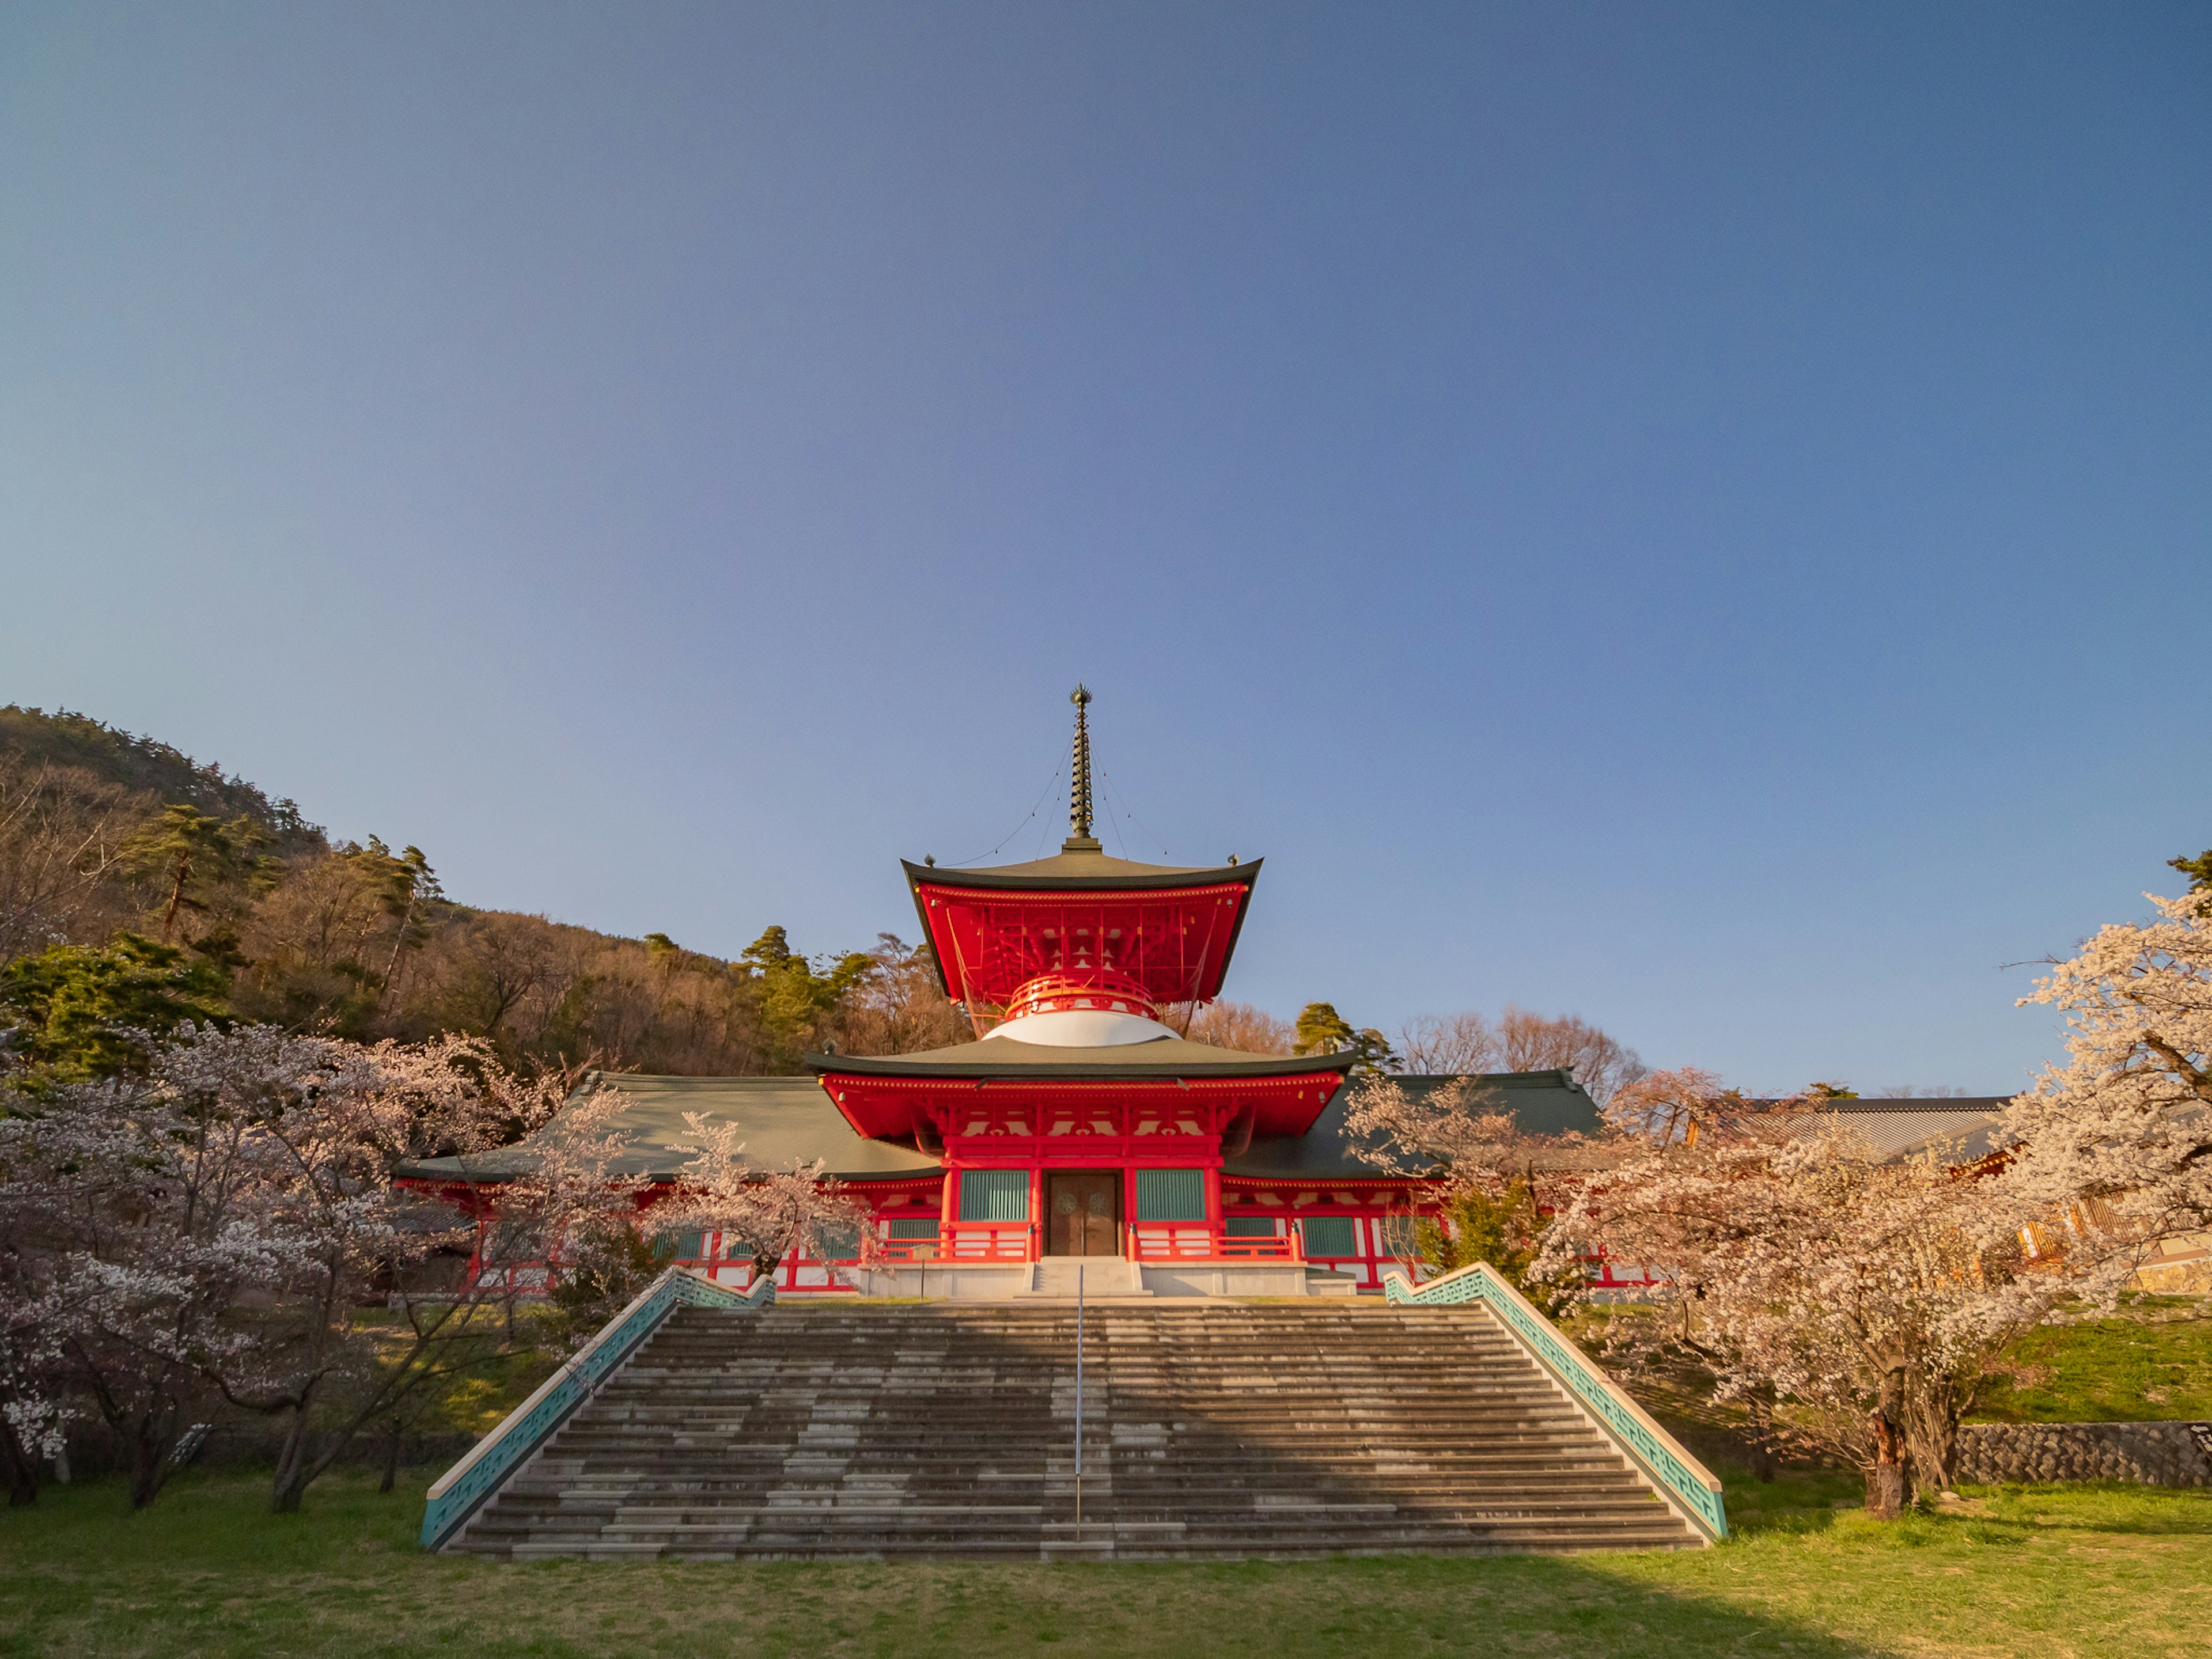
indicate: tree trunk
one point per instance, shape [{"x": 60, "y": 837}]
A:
[
  {"x": 1885, "y": 1486},
  {"x": 290, "y": 1484},
  {"x": 23, "y": 1468},
  {"x": 1762, "y": 1439},
  {"x": 150, "y": 1461},
  {"x": 1942, "y": 1451},
  {"x": 390, "y": 1457},
  {"x": 1936, "y": 1435},
  {"x": 176, "y": 897},
  {"x": 1885, "y": 1491}
]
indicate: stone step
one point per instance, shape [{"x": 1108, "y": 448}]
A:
[{"x": 1215, "y": 1431}]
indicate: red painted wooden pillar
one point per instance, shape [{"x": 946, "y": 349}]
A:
[{"x": 1037, "y": 1222}]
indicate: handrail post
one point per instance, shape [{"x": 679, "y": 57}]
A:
[{"x": 1078, "y": 1403}]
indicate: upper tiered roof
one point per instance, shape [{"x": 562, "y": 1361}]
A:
[
  {"x": 1172, "y": 931},
  {"x": 1167, "y": 929}
]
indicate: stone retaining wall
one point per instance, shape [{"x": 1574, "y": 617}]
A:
[{"x": 2156, "y": 1454}]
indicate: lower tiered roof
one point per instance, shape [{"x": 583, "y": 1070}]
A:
[{"x": 790, "y": 1119}]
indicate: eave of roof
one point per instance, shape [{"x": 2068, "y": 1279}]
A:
[
  {"x": 1078, "y": 872},
  {"x": 1161, "y": 1061}
]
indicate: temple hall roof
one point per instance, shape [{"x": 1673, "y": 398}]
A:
[
  {"x": 1963, "y": 1128},
  {"x": 1539, "y": 1103},
  {"x": 790, "y": 1119},
  {"x": 785, "y": 1120}
]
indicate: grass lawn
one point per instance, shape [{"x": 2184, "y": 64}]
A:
[
  {"x": 2153, "y": 1359},
  {"x": 207, "y": 1570}
]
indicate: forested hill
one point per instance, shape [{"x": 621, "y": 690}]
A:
[
  {"x": 136, "y": 880},
  {"x": 143, "y": 766}
]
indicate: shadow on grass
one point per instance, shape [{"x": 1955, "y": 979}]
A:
[
  {"x": 209, "y": 1570},
  {"x": 2116, "y": 1507}
]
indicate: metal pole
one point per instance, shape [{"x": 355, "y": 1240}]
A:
[{"x": 1079, "y": 1402}]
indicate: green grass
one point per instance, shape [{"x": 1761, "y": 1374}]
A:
[
  {"x": 208, "y": 1571},
  {"x": 2152, "y": 1360}
]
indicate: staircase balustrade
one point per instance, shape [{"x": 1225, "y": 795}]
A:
[
  {"x": 464, "y": 1488},
  {"x": 1689, "y": 1487}
]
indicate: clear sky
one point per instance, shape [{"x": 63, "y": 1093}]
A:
[{"x": 1695, "y": 515}]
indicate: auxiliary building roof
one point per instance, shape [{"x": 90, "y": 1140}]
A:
[
  {"x": 785, "y": 1120},
  {"x": 1540, "y": 1104},
  {"x": 1960, "y": 1129}
]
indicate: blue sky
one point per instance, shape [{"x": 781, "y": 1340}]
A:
[{"x": 1696, "y": 515}]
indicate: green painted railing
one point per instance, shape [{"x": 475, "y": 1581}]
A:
[
  {"x": 1688, "y": 1485},
  {"x": 464, "y": 1489}
]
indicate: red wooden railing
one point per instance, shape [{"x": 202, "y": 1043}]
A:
[
  {"x": 1261, "y": 1250},
  {"x": 1196, "y": 1242},
  {"x": 985, "y": 1240},
  {"x": 1166, "y": 1242}
]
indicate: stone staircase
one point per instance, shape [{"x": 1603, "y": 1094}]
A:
[
  {"x": 1216, "y": 1430},
  {"x": 1100, "y": 1275}
]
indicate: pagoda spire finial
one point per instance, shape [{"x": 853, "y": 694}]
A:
[{"x": 1079, "y": 783}]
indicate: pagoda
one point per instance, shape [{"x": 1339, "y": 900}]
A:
[{"x": 1083, "y": 1124}]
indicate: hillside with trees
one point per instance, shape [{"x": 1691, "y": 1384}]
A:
[{"x": 140, "y": 887}]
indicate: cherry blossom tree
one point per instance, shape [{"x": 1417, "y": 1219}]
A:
[
  {"x": 333, "y": 1121},
  {"x": 1487, "y": 1186},
  {"x": 227, "y": 1220},
  {"x": 2118, "y": 1140},
  {"x": 127, "y": 1245},
  {"x": 1858, "y": 1300},
  {"x": 1459, "y": 1133},
  {"x": 32, "y": 1412},
  {"x": 1673, "y": 1105},
  {"x": 775, "y": 1211}
]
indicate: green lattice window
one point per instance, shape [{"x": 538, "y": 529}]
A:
[
  {"x": 1249, "y": 1226},
  {"x": 1170, "y": 1195},
  {"x": 913, "y": 1227},
  {"x": 838, "y": 1244},
  {"x": 1329, "y": 1236},
  {"x": 995, "y": 1194}
]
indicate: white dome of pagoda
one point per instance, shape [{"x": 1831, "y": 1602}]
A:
[{"x": 1080, "y": 1028}]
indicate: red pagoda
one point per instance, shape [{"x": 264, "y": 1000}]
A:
[{"x": 1082, "y": 1125}]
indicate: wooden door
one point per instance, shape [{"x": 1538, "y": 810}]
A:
[{"x": 1084, "y": 1214}]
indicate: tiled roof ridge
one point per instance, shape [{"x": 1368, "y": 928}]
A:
[{"x": 1882, "y": 1103}]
